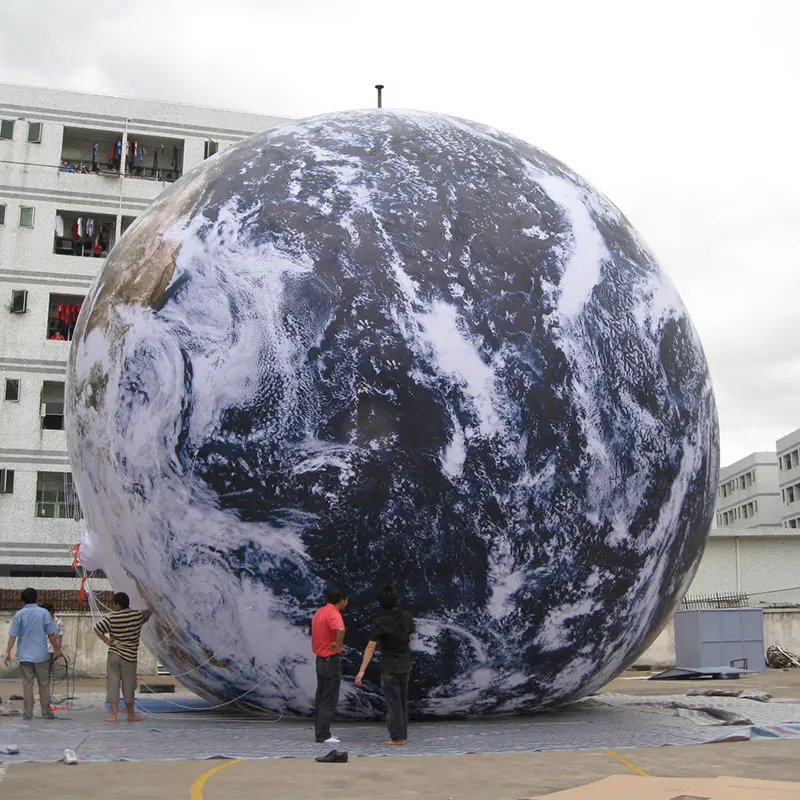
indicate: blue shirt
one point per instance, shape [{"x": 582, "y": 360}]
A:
[{"x": 32, "y": 625}]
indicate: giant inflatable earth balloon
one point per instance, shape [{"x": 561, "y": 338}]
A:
[{"x": 392, "y": 346}]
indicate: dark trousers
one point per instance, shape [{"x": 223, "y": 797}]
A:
[
  {"x": 329, "y": 678},
  {"x": 395, "y": 693}
]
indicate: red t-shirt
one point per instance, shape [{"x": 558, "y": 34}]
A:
[{"x": 324, "y": 625}]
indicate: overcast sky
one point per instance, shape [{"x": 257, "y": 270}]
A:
[{"x": 684, "y": 113}]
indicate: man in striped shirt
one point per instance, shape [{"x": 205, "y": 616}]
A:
[{"x": 120, "y": 630}]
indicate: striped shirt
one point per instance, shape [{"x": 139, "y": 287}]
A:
[{"x": 124, "y": 628}]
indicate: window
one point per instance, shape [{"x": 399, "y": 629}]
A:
[
  {"x": 210, "y": 149},
  {"x": 80, "y": 233},
  {"x": 91, "y": 150},
  {"x": 2, "y": 215},
  {"x": 126, "y": 223},
  {"x": 6, "y": 481},
  {"x": 790, "y": 495},
  {"x": 52, "y": 407},
  {"x": 12, "y": 389},
  {"x": 7, "y": 129},
  {"x": 26, "y": 217},
  {"x": 19, "y": 301},
  {"x": 795, "y": 458},
  {"x": 55, "y": 496},
  {"x": 35, "y": 132},
  {"x": 63, "y": 315}
]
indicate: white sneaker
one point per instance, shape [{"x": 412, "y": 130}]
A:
[{"x": 332, "y": 740}]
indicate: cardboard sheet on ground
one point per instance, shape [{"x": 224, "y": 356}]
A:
[{"x": 633, "y": 787}]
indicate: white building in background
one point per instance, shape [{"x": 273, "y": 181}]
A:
[
  {"x": 788, "y": 450},
  {"x": 75, "y": 171},
  {"x": 759, "y": 562},
  {"x": 748, "y": 494}
]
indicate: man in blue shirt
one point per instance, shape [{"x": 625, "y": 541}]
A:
[{"x": 31, "y": 627}]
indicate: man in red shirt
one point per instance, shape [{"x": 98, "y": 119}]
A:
[{"x": 327, "y": 637}]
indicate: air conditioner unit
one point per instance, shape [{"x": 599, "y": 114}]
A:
[
  {"x": 19, "y": 301},
  {"x": 6, "y": 481}
]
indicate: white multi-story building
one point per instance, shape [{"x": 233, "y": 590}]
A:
[
  {"x": 748, "y": 495},
  {"x": 788, "y": 449},
  {"x": 75, "y": 171}
]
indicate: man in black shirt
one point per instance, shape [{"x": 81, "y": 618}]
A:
[{"x": 392, "y": 629}]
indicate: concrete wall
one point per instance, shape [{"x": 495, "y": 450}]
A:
[
  {"x": 781, "y": 627},
  {"x": 761, "y": 563},
  {"x": 87, "y": 652}
]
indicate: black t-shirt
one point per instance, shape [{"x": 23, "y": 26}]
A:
[{"x": 392, "y": 631}]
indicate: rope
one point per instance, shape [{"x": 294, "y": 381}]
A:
[
  {"x": 777, "y": 591},
  {"x": 68, "y": 678},
  {"x": 218, "y": 705},
  {"x": 174, "y": 628},
  {"x": 95, "y": 603},
  {"x": 209, "y": 659}
]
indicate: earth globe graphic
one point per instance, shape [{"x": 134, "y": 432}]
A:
[{"x": 392, "y": 346}]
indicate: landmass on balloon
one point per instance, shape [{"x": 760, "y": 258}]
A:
[{"x": 391, "y": 345}]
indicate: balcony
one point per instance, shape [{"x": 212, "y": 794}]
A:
[
  {"x": 84, "y": 234},
  {"x": 63, "y": 316},
  {"x": 86, "y": 152},
  {"x": 89, "y": 151}
]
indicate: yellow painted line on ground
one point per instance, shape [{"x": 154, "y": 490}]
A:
[
  {"x": 612, "y": 753},
  {"x": 196, "y": 792}
]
